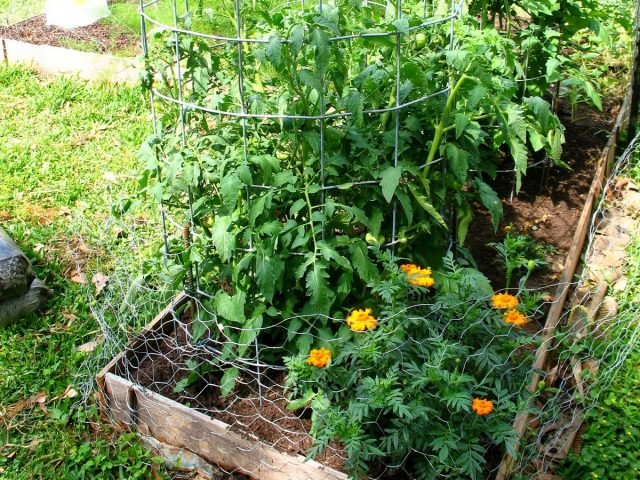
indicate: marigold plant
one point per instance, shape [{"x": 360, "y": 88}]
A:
[
  {"x": 418, "y": 276},
  {"x": 319, "y": 357},
  {"x": 361, "y": 320},
  {"x": 482, "y": 406},
  {"x": 504, "y": 301},
  {"x": 515, "y": 317}
]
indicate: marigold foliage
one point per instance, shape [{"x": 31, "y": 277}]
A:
[
  {"x": 361, "y": 320},
  {"x": 418, "y": 276},
  {"x": 482, "y": 406},
  {"x": 319, "y": 357},
  {"x": 504, "y": 301}
]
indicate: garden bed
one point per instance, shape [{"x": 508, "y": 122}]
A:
[
  {"x": 102, "y": 51},
  {"x": 137, "y": 389},
  {"x": 132, "y": 406}
]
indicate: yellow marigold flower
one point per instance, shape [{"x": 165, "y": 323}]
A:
[
  {"x": 418, "y": 276},
  {"x": 319, "y": 357},
  {"x": 361, "y": 320},
  {"x": 482, "y": 406},
  {"x": 504, "y": 300},
  {"x": 515, "y": 317}
]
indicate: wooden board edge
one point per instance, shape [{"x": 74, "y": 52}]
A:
[
  {"x": 132, "y": 407},
  {"x": 275, "y": 463}
]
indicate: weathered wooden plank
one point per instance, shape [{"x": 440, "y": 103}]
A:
[
  {"x": 87, "y": 65},
  {"x": 115, "y": 400},
  {"x": 133, "y": 407},
  {"x": 182, "y": 427}
]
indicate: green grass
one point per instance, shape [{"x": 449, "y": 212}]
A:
[
  {"x": 126, "y": 15},
  {"x": 12, "y": 11},
  {"x": 67, "y": 151}
]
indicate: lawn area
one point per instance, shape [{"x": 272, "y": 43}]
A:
[
  {"x": 67, "y": 151},
  {"x": 12, "y": 11}
]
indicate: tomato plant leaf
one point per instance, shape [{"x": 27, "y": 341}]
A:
[
  {"x": 229, "y": 307},
  {"x": 229, "y": 188},
  {"x": 427, "y": 206},
  {"x": 490, "y": 200},
  {"x": 320, "y": 295},
  {"x": 296, "y": 37},
  {"x": 354, "y": 103},
  {"x": 461, "y": 122},
  {"x": 274, "y": 51},
  {"x": 320, "y": 42},
  {"x": 457, "y": 160},
  {"x": 390, "y": 180},
  {"x": 310, "y": 79},
  {"x": 269, "y": 272},
  {"x": 228, "y": 380},
  {"x": 223, "y": 240}
]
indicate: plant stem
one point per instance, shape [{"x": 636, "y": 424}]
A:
[{"x": 441, "y": 127}]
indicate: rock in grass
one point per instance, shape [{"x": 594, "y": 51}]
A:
[
  {"x": 19, "y": 307},
  {"x": 16, "y": 273}
]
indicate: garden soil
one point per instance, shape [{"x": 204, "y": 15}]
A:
[
  {"x": 103, "y": 37},
  {"x": 546, "y": 209},
  {"x": 269, "y": 419}
]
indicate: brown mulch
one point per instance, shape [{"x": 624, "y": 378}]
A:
[{"x": 105, "y": 37}]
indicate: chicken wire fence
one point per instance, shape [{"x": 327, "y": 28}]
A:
[{"x": 401, "y": 387}]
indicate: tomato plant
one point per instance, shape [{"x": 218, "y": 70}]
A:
[{"x": 284, "y": 198}]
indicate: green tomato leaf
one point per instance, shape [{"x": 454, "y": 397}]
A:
[
  {"x": 427, "y": 206},
  {"x": 354, "y": 103},
  {"x": 230, "y": 186},
  {"x": 320, "y": 295},
  {"x": 296, "y": 37},
  {"x": 390, "y": 180},
  {"x": 457, "y": 160},
  {"x": 274, "y": 52},
  {"x": 310, "y": 79},
  {"x": 490, "y": 200},
  {"x": 223, "y": 240},
  {"x": 229, "y": 307}
]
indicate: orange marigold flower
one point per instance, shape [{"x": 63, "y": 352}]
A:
[
  {"x": 418, "y": 276},
  {"x": 482, "y": 406},
  {"x": 515, "y": 317},
  {"x": 319, "y": 357},
  {"x": 361, "y": 320},
  {"x": 504, "y": 300}
]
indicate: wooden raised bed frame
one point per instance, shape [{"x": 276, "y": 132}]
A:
[{"x": 133, "y": 407}]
